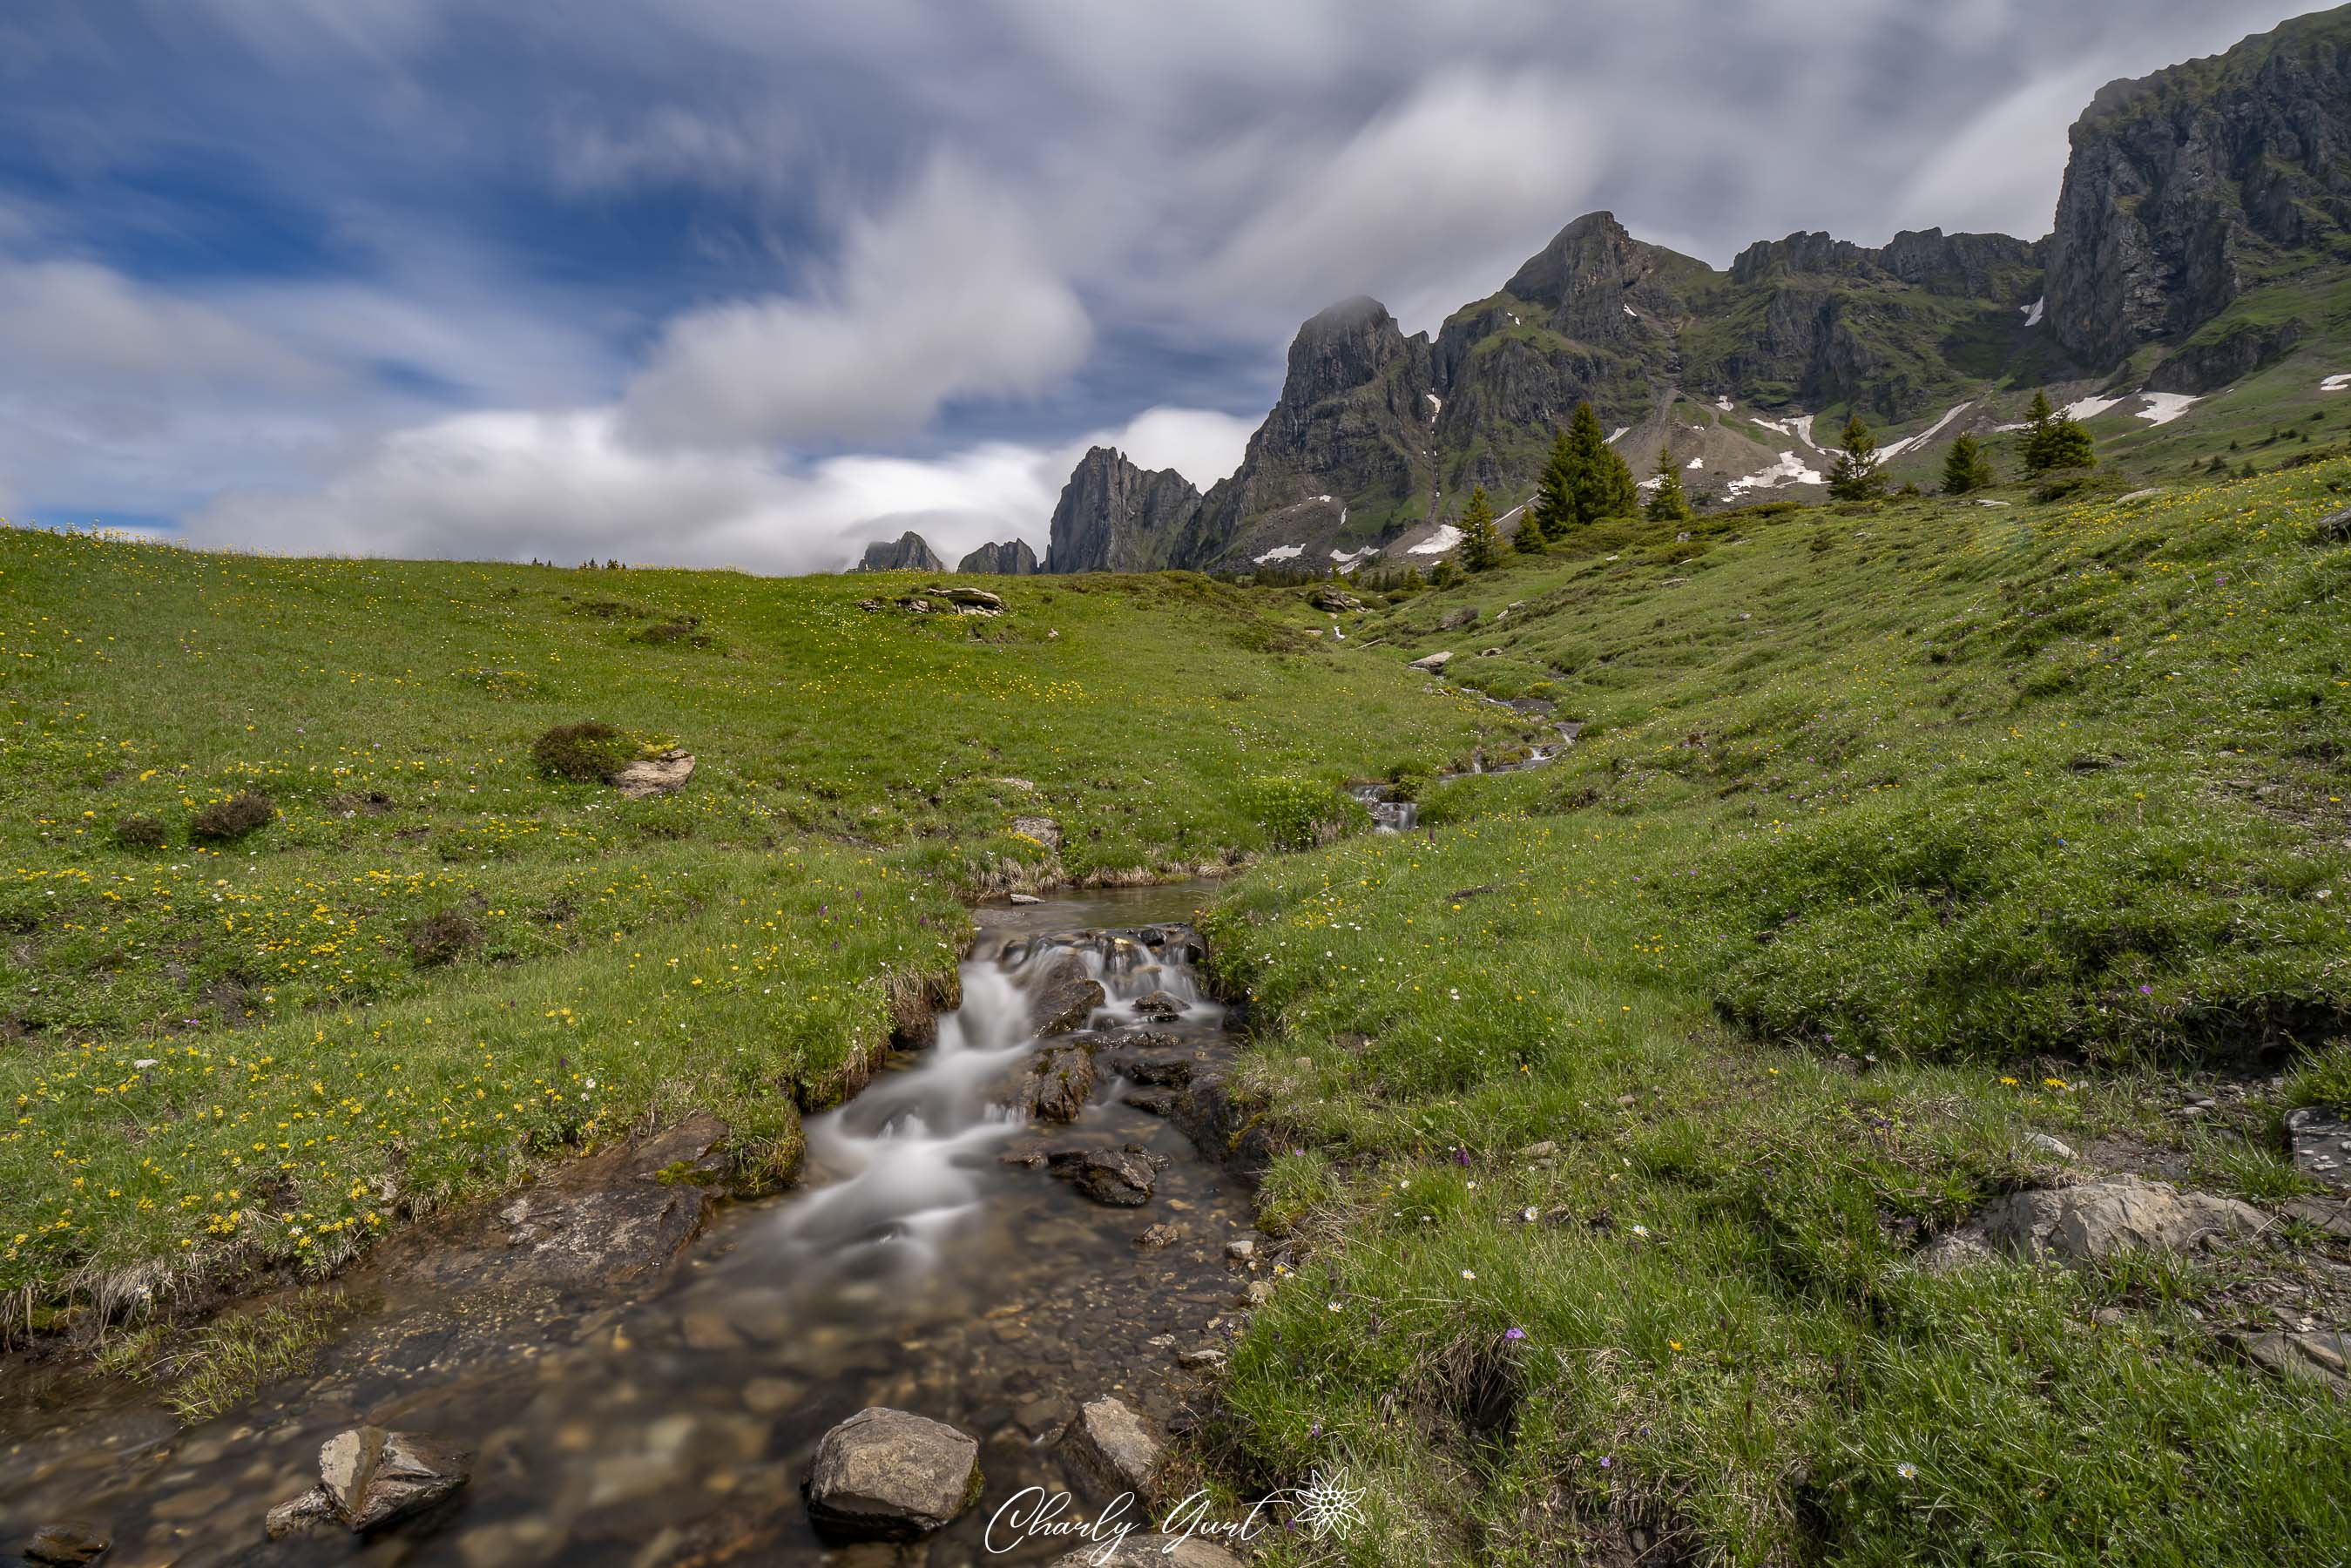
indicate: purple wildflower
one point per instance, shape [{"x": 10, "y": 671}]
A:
[{"x": 1514, "y": 1334}]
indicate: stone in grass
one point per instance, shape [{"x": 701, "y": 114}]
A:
[
  {"x": 651, "y": 776},
  {"x": 2323, "y": 1358},
  {"x": 2077, "y": 1226},
  {"x": 1110, "y": 1443},
  {"x": 1432, "y": 662},
  {"x": 887, "y": 1475},
  {"x": 2320, "y": 1142},
  {"x": 67, "y": 1545}
]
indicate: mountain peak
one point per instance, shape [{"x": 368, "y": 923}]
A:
[{"x": 909, "y": 552}]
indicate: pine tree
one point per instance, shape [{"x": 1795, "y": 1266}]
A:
[
  {"x": 2034, "y": 443},
  {"x": 1552, "y": 511},
  {"x": 1445, "y": 575},
  {"x": 1481, "y": 541},
  {"x": 1666, "y": 503},
  {"x": 1593, "y": 491},
  {"x": 1855, "y": 476},
  {"x": 1965, "y": 467},
  {"x": 1411, "y": 583},
  {"x": 2067, "y": 445}
]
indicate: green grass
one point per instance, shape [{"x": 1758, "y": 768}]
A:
[
  {"x": 310, "y": 1075},
  {"x": 1893, "y": 835},
  {"x": 210, "y": 1369}
]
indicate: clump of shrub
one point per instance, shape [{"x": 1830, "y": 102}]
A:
[
  {"x": 137, "y": 832},
  {"x": 440, "y": 938},
  {"x": 241, "y": 813},
  {"x": 584, "y": 752},
  {"x": 1299, "y": 813},
  {"x": 682, "y": 629}
]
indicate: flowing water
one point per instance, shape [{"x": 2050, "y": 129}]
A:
[{"x": 914, "y": 1267}]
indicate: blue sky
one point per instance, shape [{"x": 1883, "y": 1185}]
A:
[{"x": 747, "y": 282}]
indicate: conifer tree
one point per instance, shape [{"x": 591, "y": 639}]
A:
[
  {"x": 1964, "y": 467},
  {"x": 1445, "y": 575},
  {"x": 1599, "y": 485},
  {"x": 2039, "y": 423},
  {"x": 2067, "y": 445},
  {"x": 1552, "y": 511},
  {"x": 1481, "y": 541},
  {"x": 1666, "y": 503},
  {"x": 1855, "y": 476}
]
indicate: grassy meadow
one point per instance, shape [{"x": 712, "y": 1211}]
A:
[
  {"x": 1616, "y": 1106},
  {"x": 435, "y": 964},
  {"x": 1612, "y": 1106}
]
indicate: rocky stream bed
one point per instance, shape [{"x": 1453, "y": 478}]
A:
[{"x": 1010, "y": 1245}]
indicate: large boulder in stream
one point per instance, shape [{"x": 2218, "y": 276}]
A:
[
  {"x": 1120, "y": 1177},
  {"x": 1110, "y": 1443},
  {"x": 886, "y": 1475},
  {"x": 67, "y": 1545},
  {"x": 1065, "y": 997},
  {"x": 1059, "y": 1083}
]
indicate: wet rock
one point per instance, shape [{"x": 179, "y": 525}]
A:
[
  {"x": 67, "y": 1545},
  {"x": 2323, "y": 1358},
  {"x": 1025, "y": 898},
  {"x": 1044, "y": 829},
  {"x": 2074, "y": 1225},
  {"x": 1111, "y": 1444},
  {"x": 1150, "y": 1551},
  {"x": 610, "y": 1220},
  {"x": 2320, "y": 1140},
  {"x": 369, "y": 1477},
  {"x": 1161, "y": 1005},
  {"x": 1058, "y": 1084},
  {"x": 643, "y": 779},
  {"x": 1206, "y": 1358},
  {"x": 2043, "y": 1145},
  {"x": 1065, "y": 998},
  {"x": 1152, "y": 1238},
  {"x": 887, "y": 1475},
  {"x": 1159, "y": 1071},
  {"x": 1120, "y": 1177},
  {"x": 1241, "y": 1248},
  {"x": 313, "y": 1511},
  {"x": 1151, "y": 1101},
  {"x": 1432, "y": 662}
]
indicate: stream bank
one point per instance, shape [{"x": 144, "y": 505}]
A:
[{"x": 658, "y": 1412}]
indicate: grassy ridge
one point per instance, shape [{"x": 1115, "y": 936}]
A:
[
  {"x": 221, "y": 1053},
  {"x": 1617, "y": 1110}
]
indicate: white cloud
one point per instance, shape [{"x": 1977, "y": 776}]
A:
[
  {"x": 943, "y": 296},
  {"x": 567, "y": 487},
  {"x": 1429, "y": 205},
  {"x": 1198, "y": 443},
  {"x": 85, "y": 323}
]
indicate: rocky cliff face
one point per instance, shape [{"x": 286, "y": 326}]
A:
[
  {"x": 2187, "y": 186},
  {"x": 909, "y": 552},
  {"x": 1013, "y": 558},
  {"x": 1353, "y": 427},
  {"x": 2197, "y": 200},
  {"x": 1116, "y": 516}
]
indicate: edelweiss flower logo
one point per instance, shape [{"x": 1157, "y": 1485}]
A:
[{"x": 1327, "y": 1505}]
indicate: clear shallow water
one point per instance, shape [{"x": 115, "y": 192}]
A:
[{"x": 912, "y": 1267}]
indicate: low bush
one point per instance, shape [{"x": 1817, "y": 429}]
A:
[
  {"x": 441, "y": 937},
  {"x": 136, "y": 833},
  {"x": 225, "y": 821},
  {"x": 583, "y": 752}
]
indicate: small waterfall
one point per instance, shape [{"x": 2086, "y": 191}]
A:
[{"x": 1388, "y": 816}]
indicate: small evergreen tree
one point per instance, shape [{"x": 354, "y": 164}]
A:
[
  {"x": 1666, "y": 503},
  {"x": 1599, "y": 486},
  {"x": 1445, "y": 575},
  {"x": 1964, "y": 467},
  {"x": 1411, "y": 583},
  {"x": 1552, "y": 512},
  {"x": 1481, "y": 541},
  {"x": 2067, "y": 445},
  {"x": 1855, "y": 476},
  {"x": 2034, "y": 443}
]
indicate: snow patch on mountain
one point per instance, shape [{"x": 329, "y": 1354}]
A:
[
  {"x": 1281, "y": 552},
  {"x": 1789, "y": 470},
  {"x": 2033, "y": 311},
  {"x": 1445, "y": 537},
  {"x": 2162, "y": 408}
]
